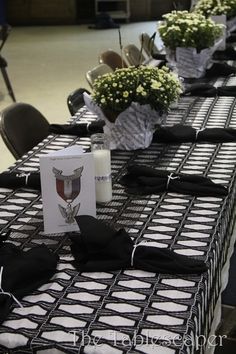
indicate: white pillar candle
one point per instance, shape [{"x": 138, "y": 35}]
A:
[{"x": 102, "y": 161}]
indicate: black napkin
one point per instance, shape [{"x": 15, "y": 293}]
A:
[
  {"x": 220, "y": 69},
  {"x": 80, "y": 129},
  {"x": 200, "y": 89},
  {"x": 22, "y": 272},
  {"x": 183, "y": 133},
  {"x": 20, "y": 179},
  {"x": 100, "y": 248},
  {"x": 159, "y": 56},
  {"x": 142, "y": 180},
  {"x": 207, "y": 90},
  {"x": 226, "y": 91},
  {"x": 228, "y": 54},
  {"x": 231, "y": 38}
]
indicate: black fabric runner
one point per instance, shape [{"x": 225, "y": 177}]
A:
[
  {"x": 99, "y": 248},
  {"x": 22, "y": 272},
  {"x": 19, "y": 180},
  {"x": 80, "y": 129},
  {"x": 143, "y": 180}
]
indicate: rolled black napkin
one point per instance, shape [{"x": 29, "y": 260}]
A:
[
  {"x": 226, "y": 91},
  {"x": 20, "y": 179},
  {"x": 22, "y": 272},
  {"x": 207, "y": 90},
  {"x": 200, "y": 89},
  {"x": 159, "y": 56},
  {"x": 142, "y": 180},
  {"x": 220, "y": 69},
  {"x": 228, "y": 54},
  {"x": 183, "y": 133},
  {"x": 80, "y": 129},
  {"x": 99, "y": 247}
]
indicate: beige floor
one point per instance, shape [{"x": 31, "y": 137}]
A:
[{"x": 45, "y": 64}]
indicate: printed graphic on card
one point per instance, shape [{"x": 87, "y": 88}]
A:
[{"x": 68, "y": 188}]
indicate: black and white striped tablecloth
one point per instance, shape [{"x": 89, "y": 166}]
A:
[{"x": 130, "y": 311}]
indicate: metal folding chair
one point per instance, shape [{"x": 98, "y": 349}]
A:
[
  {"x": 22, "y": 127},
  {"x": 4, "y": 33},
  {"x": 133, "y": 55},
  {"x": 98, "y": 70},
  {"x": 75, "y": 100},
  {"x": 113, "y": 59}
]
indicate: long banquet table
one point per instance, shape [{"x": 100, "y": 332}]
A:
[{"x": 131, "y": 311}]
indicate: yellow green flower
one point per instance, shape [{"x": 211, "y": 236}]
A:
[
  {"x": 157, "y": 87},
  {"x": 189, "y": 29},
  {"x": 139, "y": 89}
]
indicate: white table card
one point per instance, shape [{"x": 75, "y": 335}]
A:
[{"x": 68, "y": 188}]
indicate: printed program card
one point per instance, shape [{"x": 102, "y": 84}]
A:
[{"x": 68, "y": 188}]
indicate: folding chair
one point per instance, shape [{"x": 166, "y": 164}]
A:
[
  {"x": 98, "y": 70},
  {"x": 150, "y": 47},
  {"x": 22, "y": 127},
  {"x": 4, "y": 33},
  {"x": 113, "y": 59},
  {"x": 133, "y": 55},
  {"x": 75, "y": 100}
]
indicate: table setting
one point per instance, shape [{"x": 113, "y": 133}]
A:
[
  {"x": 113, "y": 245},
  {"x": 182, "y": 223}
]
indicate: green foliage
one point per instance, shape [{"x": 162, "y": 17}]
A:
[
  {"x": 185, "y": 29},
  {"x": 145, "y": 85}
]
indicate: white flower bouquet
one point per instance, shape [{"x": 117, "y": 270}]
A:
[
  {"x": 132, "y": 101},
  {"x": 190, "y": 40},
  {"x": 216, "y": 7}
]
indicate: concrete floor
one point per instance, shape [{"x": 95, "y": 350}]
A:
[{"x": 46, "y": 63}]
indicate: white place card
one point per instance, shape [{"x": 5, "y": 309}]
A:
[{"x": 68, "y": 188}]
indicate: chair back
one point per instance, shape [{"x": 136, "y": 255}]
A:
[
  {"x": 98, "y": 70},
  {"x": 5, "y": 30},
  {"x": 22, "y": 127},
  {"x": 112, "y": 59},
  {"x": 75, "y": 100},
  {"x": 4, "y": 33},
  {"x": 148, "y": 44},
  {"x": 133, "y": 55}
]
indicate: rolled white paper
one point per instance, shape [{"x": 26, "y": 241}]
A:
[{"x": 103, "y": 186}]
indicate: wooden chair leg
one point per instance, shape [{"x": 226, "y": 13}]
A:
[{"x": 8, "y": 84}]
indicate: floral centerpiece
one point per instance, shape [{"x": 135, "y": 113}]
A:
[
  {"x": 190, "y": 40},
  {"x": 132, "y": 101},
  {"x": 216, "y": 7}
]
